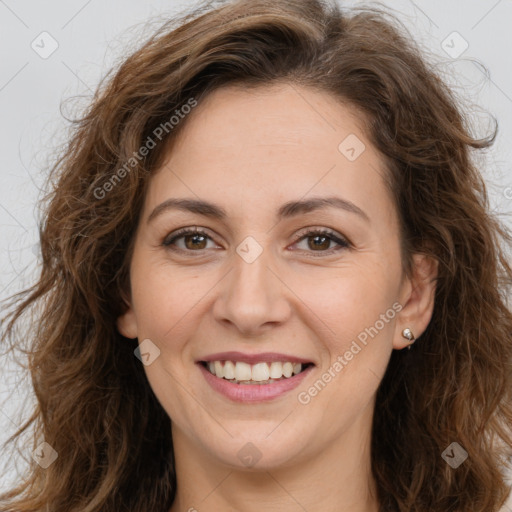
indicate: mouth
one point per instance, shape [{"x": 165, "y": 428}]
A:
[
  {"x": 260, "y": 373},
  {"x": 252, "y": 378}
]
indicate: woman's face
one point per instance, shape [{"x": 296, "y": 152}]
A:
[{"x": 254, "y": 283}]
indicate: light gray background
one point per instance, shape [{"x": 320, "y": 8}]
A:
[{"x": 93, "y": 34}]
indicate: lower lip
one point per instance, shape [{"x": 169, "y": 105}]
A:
[{"x": 253, "y": 392}]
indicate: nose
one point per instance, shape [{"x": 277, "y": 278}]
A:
[{"x": 252, "y": 297}]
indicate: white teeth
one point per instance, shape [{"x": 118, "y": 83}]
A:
[
  {"x": 229, "y": 370},
  {"x": 260, "y": 372},
  {"x": 276, "y": 370},
  {"x": 242, "y": 371},
  {"x": 287, "y": 369},
  {"x": 256, "y": 373}
]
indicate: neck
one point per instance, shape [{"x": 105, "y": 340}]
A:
[{"x": 337, "y": 479}]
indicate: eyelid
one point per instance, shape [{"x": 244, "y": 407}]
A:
[
  {"x": 342, "y": 242},
  {"x": 310, "y": 230},
  {"x": 189, "y": 230}
]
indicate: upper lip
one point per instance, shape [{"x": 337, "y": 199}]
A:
[{"x": 253, "y": 358}]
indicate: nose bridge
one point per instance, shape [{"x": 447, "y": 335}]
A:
[{"x": 252, "y": 295}]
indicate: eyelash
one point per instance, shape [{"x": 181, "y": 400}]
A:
[{"x": 342, "y": 243}]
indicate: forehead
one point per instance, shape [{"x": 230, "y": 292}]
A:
[
  {"x": 269, "y": 145},
  {"x": 267, "y": 121}
]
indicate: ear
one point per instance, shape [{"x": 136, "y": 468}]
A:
[
  {"x": 417, "y": 299},
  {"x": 127, "y": 322}
]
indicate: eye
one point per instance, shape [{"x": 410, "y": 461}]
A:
[
  {"x": 194, "y": 240},
  {"x": 321, "y": 239}
]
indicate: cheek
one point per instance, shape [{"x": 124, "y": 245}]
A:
[
  {"x": 162, "y": 287},
  {"x": 168, "y": 303},
  {"x": 359, "y": 312},
  {"x": 165, "y": 300},
  {"x": 349, "y": 300}
]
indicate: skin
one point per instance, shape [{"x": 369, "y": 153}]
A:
[{"x": 249, "y": 152}]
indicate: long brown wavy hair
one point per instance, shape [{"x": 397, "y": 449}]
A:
[{"x": 95, "y": 406}]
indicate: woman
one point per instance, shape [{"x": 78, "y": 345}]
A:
[{"x": 270, "y": 280}]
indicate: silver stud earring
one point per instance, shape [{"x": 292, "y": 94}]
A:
[{"x": 407, "y": 333}]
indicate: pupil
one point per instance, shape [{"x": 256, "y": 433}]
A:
[
  {"x": 321, "y": 245},
  {"x": 193, "y": 237}
]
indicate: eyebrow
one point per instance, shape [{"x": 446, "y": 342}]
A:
[{"x": 287, "y": 210}]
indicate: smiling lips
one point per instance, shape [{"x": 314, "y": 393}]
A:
[
  {"x": 262, "y": 368},
  {"x": 253, "y": 377}
]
